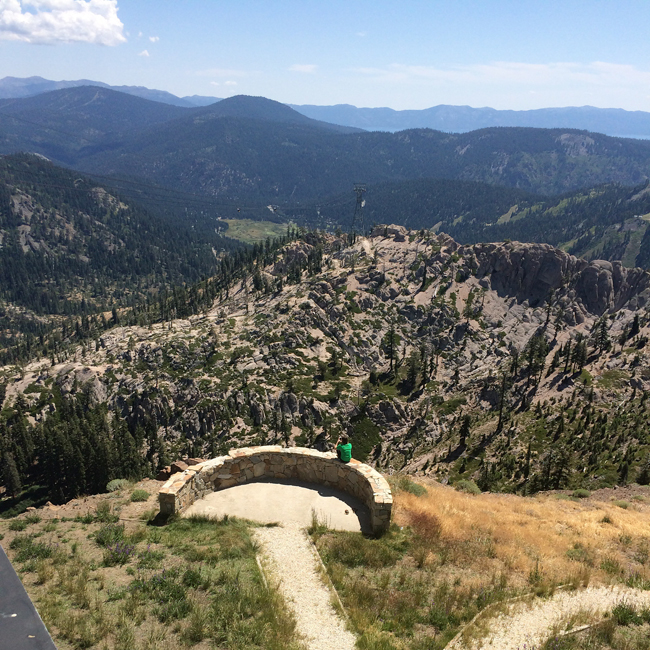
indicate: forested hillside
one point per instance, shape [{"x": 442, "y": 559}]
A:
[
  {"x": 241, "y": 158},
  {"x": 70, "y": 247},
  {"x": 252, "y": 148},
  {"x": 66, "y": 125},
  {"x": 607, "y": 222}
]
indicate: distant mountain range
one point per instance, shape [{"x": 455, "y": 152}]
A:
[
  {"x": 452, "y": 119},
  {"x": 255, "y": 149},
  {"x": 16, "y": 87},
  {"x": 459, "y": 119},
  {"x": 236, "y": 157}
]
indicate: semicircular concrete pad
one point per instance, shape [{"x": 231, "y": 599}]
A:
[
  {"x": 276, "y": 463},
  {"x": 285, "y": 502}
]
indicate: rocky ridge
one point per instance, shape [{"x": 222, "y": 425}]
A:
[{"x": 400, "y": 339}]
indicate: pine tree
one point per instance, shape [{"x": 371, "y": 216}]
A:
[
  {"x": 413, "y": 370},
  {"x": 601, "y": 338},
  {"x": 465, "y": 430},
  {"x": 10, "y": 475}
]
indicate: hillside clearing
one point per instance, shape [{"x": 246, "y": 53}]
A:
[{"x": 253, "y": 232}]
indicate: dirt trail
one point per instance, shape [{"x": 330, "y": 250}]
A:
[
  {"x": 290, "y": 559},
  {"x": 529, "y": 624}
]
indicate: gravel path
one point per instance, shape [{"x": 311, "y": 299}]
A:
[
  {"x": 289, "y": 555},
  {"x": 530, "y": 624}
]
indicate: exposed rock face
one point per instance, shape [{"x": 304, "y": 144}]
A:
[
  {"x": 530, "y": 271},
  {"x": 606, "y": 285},
  {"x": 71, "y": 379},
  {"x": 526, "y": 271},
  {"x": 295, "y": 253}
]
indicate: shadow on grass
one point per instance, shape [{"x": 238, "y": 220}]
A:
[{"x": 34, "y": 496}]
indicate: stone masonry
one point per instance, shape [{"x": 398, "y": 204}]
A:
[{"x": 274, "y": 462}]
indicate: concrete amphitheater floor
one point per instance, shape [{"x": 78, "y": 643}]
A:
[{"x": 288, "y": 502}]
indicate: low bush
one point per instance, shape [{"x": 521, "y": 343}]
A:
[
  {"x": 139, "y": 495},
  {"x": 116, "y": 484},
  {"x": 467, "y": 486},
  {"x": 626, "y": 614},
  {"x": 405, "y": 484},
  {"x": 119, "y": 553},
  {"x": 104, "y": 513},
  {"x": 28, "y": 549},
  {"x": 149, "y": 559},
  {"x": 109, "y": 534},
  {"x": 581, "y": 493},
  {"x": 425, "y": 525},
  {"x": 581, "y": 553},
  {"x": 354, "y": 550},
  {"x": 611, "y": 566}
]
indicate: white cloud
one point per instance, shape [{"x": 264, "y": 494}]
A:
[
  {"x": 362, "y": 34},
  {"x": 215, "y": 83},
  {"x": 61, "y": 21},
  {"x": 307, "y": 68},
  {"x": 229, "y": 83},
  {"x": 144, "y": 53},
  {"x": 154, "y": 39}
]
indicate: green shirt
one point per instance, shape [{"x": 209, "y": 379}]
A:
[{"x": 345, "y": 452}]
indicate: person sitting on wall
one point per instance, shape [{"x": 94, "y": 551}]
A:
[{"x": 343, "y": 449}]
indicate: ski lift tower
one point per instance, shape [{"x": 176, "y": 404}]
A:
[{"x": 359, "y": 190}]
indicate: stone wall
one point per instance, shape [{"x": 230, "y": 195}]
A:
[{"x": 274, "y": 462}]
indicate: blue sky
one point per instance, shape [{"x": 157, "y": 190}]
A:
[{"x": 407, "y": 55}]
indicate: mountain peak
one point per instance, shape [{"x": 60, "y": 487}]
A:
[{"x": 269, "y": 110}]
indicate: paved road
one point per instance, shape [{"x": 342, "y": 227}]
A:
[{"x": 21, "y": 627}]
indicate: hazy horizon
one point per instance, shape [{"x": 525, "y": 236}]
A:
[{"x": 506, "y": 54}]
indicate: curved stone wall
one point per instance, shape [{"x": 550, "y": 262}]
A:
[{"x": 254, "y": 463}]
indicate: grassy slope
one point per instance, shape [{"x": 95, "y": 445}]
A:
[
  {"x": 448, "y": 556},
  {"x": 190, "y": 583},
  {"x": 451, "y": 554}
]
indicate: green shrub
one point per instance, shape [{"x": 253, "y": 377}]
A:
[
  {"x": 467, "y": 486},
  {"x": 109, "y": 534},
  {"x": 118, "y": 554},
  {"x": 622, "y": 504},
  {"x": 139, "y": 495},
  {"x": 581, "y": 494},
  {"x": 407, "y": 485},
  {"x": 17, "y": 525},
  {"x": 33, "y": 518},
  {"x": 580, "y": 553},
  {"x": 354, "y": 550},
  {"x": 625, "y": 614},
  {"x": 611, "y": 566},
  {"x": 116, "y": 484},
  {"x": 104, "y": 514},
  {"x": 149, "y": 559},
  {"x": 88, "y": 518},
  {"x": 28, "y": 549}
]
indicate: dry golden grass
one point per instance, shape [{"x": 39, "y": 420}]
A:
[{"x": 529, "y": 533}]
